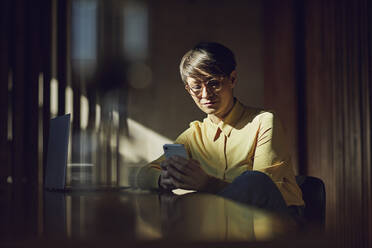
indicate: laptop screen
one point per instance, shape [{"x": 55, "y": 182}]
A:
[{"x": 55, "y": 172}]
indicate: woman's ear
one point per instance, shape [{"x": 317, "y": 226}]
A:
[{"x": 233, "y": 78}]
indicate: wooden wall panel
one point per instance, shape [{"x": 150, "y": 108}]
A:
[
  {"x": 319, "y": 104},
  {"x": 338, "y": 86},
  {"x": 279, "y": 59},
  {"x": 332, "y": 70}
]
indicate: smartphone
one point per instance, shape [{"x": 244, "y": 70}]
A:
[{"x": 175, "y": 149}]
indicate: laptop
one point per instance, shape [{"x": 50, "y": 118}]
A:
[{"x": 57, "y": 154}]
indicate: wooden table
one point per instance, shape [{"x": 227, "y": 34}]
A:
[
  {"x": 145, "y": 215},
  {"x": 150, "y": 219}
]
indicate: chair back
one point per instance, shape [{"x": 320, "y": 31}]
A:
[{"x": 314, "y": 195}]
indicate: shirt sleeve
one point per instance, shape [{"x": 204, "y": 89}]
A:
[
  {"x": 148, "y": 175},
  {"x": 271, "y": 154}
]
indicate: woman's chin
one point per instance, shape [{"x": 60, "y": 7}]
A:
[{"x": 209, "y": 111}]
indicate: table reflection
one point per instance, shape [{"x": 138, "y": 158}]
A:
[{"x": 138, "y": 215}]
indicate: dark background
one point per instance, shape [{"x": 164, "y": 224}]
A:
[{"x": 310, "y": 61}]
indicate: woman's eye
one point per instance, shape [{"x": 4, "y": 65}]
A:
[
  {"x": 213, "y": 83},
  {"x": 196, "y": 87}
]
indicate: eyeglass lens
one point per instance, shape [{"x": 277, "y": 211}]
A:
[{"x": 214, "y": 85}]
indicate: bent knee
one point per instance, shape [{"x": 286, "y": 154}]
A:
[
  {"x": 254, "y": 177},
  {"x": 255, "y": 174}
]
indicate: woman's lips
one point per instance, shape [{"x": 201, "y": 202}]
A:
[{"x": 208, "y": 104}]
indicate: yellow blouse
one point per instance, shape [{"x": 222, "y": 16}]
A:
[{"x": 247, "y": 139}]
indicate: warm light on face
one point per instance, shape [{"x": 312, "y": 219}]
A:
[{"x": 215, "y": 99}]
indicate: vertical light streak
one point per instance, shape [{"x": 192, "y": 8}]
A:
[
  {"x": 84, "y": 112},
  {"x": 68, "y": 216},
  {"x": 40, "y": 151},
  {"x": 113, "y": 144},
  {"x": 69, "y": 108},
  {"x": 41, "y": 90},
  {"x": 10, "y": 106},
  {"x": 53, "y": 97},
  {"x": 69, "y": 101},
  {"x": 98, "y": 116},
  {"x": 115, "y": 118}
]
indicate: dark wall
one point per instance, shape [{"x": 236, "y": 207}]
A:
[
  {"x": 329, "y": 67},
  {"x": 174, "y": 28},
  {"x": 37, "y": 48},
  {"x": 338, "y": 92},
  {"x": 163, "y": 105},
  {"x": 24, "y": 65},
  {"x": 280, "y": 67},
  {"x": 317, "y": 75}
]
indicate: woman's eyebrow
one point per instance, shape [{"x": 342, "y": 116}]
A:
[
  {"x": 196, "y": 82},
  {"x": 204, "y": 80}
]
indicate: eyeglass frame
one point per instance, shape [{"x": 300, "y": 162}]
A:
[{"x": 208, "y": 88}]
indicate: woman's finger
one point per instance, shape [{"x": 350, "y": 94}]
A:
[
  {"x": 166, "y": 183},
  {"x": 172, "y": 172},
  {"x": 179, "y": 184}
]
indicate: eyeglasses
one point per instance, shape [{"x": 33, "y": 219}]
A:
[{"x": 213, "y": 85}]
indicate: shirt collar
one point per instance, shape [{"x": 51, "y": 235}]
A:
[{"x": 227, "y": 124}]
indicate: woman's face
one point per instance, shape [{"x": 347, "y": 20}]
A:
[{"x": 213, "y": 100}]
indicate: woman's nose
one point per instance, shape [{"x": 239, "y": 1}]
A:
[{"x": 205, "y": 92}]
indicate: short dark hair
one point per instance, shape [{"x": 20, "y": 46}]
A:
[{"x": 207, "y": 59}]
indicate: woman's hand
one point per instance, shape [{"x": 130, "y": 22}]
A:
[
  {"x": 185, "y": 173},
  {"x": 165, "y": 181}
]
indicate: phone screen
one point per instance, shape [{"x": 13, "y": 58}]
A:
[{"x": 174, "y": 149}]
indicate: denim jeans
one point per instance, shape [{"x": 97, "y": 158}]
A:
[{"x": 257, "y": 189}]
